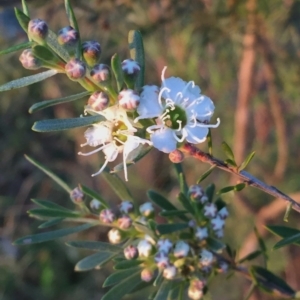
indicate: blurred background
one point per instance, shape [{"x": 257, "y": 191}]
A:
[{"x": 244, "y": 54}]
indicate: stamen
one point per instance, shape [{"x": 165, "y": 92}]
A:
[
  {"x": 179, "y": 140},
  {"x": 163, "y": 74},
  {"x": 92, "y": 152},
  {"x": 180, "y": 125},
  {"x": 209, "y": 125},
  {"x": 102, "y": 168},
  {"x": 151, "y": 129},
  {"x": 187, "y": 86},
  {"x": 160, "y": 95}
]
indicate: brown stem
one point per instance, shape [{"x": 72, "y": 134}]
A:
[{"x": 243, "y": 175}]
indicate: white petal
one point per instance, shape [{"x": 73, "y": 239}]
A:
[
  {"x": 111, "y": 152},
  {"x": 164, "y": 140},
  {"x": 98, "y": 134},
  {"x": 149, "y": 106},
  {"x": 196, "y": 135},
  {"x": 204, "y": 108}
]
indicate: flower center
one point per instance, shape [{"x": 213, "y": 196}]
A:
[
  {"x": 174, "y": 117},
  {"x": 118, "y": 133}
]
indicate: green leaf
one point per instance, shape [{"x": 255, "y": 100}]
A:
[
  {"x": 271, "y": 283},
  {"x": 159, "y": 278},
  {"x": 240, "y": 186},
  {"x": 246, "y": 161},
  {"x": 283, "y": 231},
  {"x": 56, "y": 47},
  {"x": 209, "y": 142},
  {"x": 95, "y": 260},
  {"x": 143, "y": 228},
  {"x": 43, "y": 53},
  {"x": 173, "y": 213},
  {"x": 74, "y": 24},
  {"x": 52, "y": 235},
  {"x": 95, "y": 246},
  {"x": 118, "y": 276},
  {"x": 186, "y": 203},
  {"x": 117, "y": 185},
  {"x": 170, "y": 228},
  {"x": 287, "y": 241},
  {"x": 226, "y": 189},
  {"x": 53, "y": 213},
  {"x": 86, "y": 190},
  {"x": 54, "y": 177},
  {"x": 228, "y": 151},
  {"x": 260, "y": 240},
  {"x": 124, "y": 287},
  {"x": 160, "y": 200},
  {"x": 50, "y": 223},
  {"x": 50, "y": 205},
  {"x": 288, "y": 210},
  {"x": 22, "y": 19},
  {"x": 206, "y": 174},
  {"x": 133, "y": 157},
  {"x": 210, "y": 190},
  {"x": 16, "y": 48},
  {"x": 215, "y": 244},
  {"x": 181, "y": 178},
  {"x": 47, "y": 103},
  {"x": 250, "y": 256},
  {"x": 116, "y": 66},
  {"x": 25, "y": 8},
  {"x": 126, "y": 264},
  {"x": 164, "y": 290},
  {"x": 24, "y": 81},
  {"x": 64, "y": 124},
  {"x": 231, "y": 162},
  {"x": 136, "y": 48}
]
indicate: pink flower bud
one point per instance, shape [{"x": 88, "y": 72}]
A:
[
  {"x": 162, "y": 260},
  {"x": 196, "y": 192},
  {"x": 195, "y": 291},
  {"x": 124, "y": 222},
  {"x": 100, "y": 73},
  {"x": 98, "y": 101},
  {"x": 131, "y": 252},
  {"x": 107, "y": 216},
  {"x": 75, "y": 69},
  {"x": 129, "y": 99},
  {"x": 76, "y": 195},
  {"x": 147, "y": 275},
  {"x": 68, "y": 37},
  {"x": 91, "y": 51},
  {"x": 38, "y": 30},
  {"x": 176, "y": 156},
  {"x": 29, "y": 61}
]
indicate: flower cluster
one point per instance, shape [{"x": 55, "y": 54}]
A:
[{"x": 190, "y": 255}]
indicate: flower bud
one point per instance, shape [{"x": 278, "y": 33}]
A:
[
  {"x": 147, "y": 210},
  {"x": 76, "y": 195},
  {"x": 131, "y": 252},
  {"x": 206, "y": 258},
  {"x": 68, "y": 37},
  {"x": 223, "y": 267},
  {"x": 176, "y": 156},
  {"x": 129, "y": 99},
  {"x": 195, "y": 291},
  {"x": 38, "y": 30},
  {"x": 219, "y": 233},
  {"x": 147, "y": 275},
  {"x": 75, "y": 69},
  {"x": 95, "y": 204},
  {"x": 131, "y": 69},
  {"x": 126, "y": 207},
  {"x": 91, "y": 51},
  {"x": 164, "y": 245},
  {"x": 107, "y": 216},
  {"x": 217, "y": 223},
  {"x": 162, "y": 260},
  {"x": 196, "y": 192},
  {"x": 101, "y": 73},
  {"x": 114, "y": 236},
  {"x": 145, "y": 248},
  {"x": 210, "y": 210},
  {"x": 170, "y": 272},
  {"x": 29, "y": 61},
  {"x": 181, "y": 249},
  {"x": 201, "y": 233},
  {"x": 124, "y": 222},
  {"x": 223, "y": 213},
  {"x": 98, "y": 101}
]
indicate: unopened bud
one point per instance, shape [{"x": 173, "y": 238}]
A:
[
  {"x": 107, "y": 216},
  {"x": 29, "y": 61},
  {"x": 196, "y": 192},
  {"x": 114, "y": 236},
  {"x": 131, "y": 252},
  {"x": 147, "y": 210},
  {"x": 164, "y": 245},
  {"x": 162, "y": 260},
  {"x": 201, "y": 233},
  {"x": 206, "y": 258},
  {"x": 210, "y": 210},
  {"x": 98, "y": 101},
  {"x": 95, "y": 204},
  {"x": 129, "y": 99},
  {"x": 124, "y": 222},
  {"x": 145, "y": 248},
  {"x": 223, "y": 213},
  {"x": 181, "y": 249},
  {"x": 68, "y": 37},
  {"x": 100, "y": 73},
  {"x": 147, "y": 275},
  {"x": 195, "y": 291},
  {"x": 170, "y": 272},
  {"x": 38, "y": 30},
  {"x": 176, "y": 156},
  {"x": 76, "y": 195},
  {"x": 75, "y": 69},
  {"x": 126, "y": 207},
  {"x": 130, "y": 69},
  {"x": 91, "y": 51}
]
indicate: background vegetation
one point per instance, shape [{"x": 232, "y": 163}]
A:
[{"x": 244, "y": 54}]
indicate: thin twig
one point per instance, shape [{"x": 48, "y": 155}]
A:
[{"x": 245, "y": 176}]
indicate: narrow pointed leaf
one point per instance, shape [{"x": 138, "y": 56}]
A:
[
  {"x": 43, "y": 53},
  {"x": 16, "y": 48},
  {"x": 86, "y": 190},
  {"x": 25, "y": 8},
  {"x": 117, "y": 185},
  {"x": 159, "y": 278},
  {"x": 47, "y": 103},
  {"x": 228, "y": 151},
  {"x": 287, "y": 241},
  {"x": 181, "y": 178},
  {"x": 118, "y": 276},
  {"x": 226, "y": 189},
  {"x": 23, "y": 19},
  {"x": 283, "y": 231},
  {"x": 215, "y": 244},
  {"x": 209, "y": 142},
  {"x": 173, "y": 213},
  {"x": 170, "y": 228},
  {"x": 49, "y": 205},
  {"x": 25, "y": 81},
  {"x": 210, "y": 190},
  {"x": 250, "y": 256},
  {"x": 206, "y": 174},
  {"x": 136, "y": 48},
  {"x": 117, "y": 70},
  {"x": 164, "y": 290},
  {"x": 52, "y": 235},
  {"x": 124, "y": 287},
  {"x": 54, "y": 177},
  {"x": 95, "y": 246},
  {"x": 186, "y": 203},
  {"x": 64, "y": 124},
  {"x": 95, "y": 260},
  {"x": 246, "y": 161},
  {"x": 160, "y": 200},
  {"x": 51, "y": 222},
  {"x": 239, "y": 187},
  {"x": 260, "y": 240},
  {"x": 288, "y": 210},
  {"x": 56, "y": 47},
  {"x": 143, "y": 228},
  {"x": 126, "y": 264},
  {"x": 53, "y": 213}
]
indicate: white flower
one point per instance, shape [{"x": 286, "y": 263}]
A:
[
  {"x": 164, "y": 245},
  {"x": 115, "y": 135},
  {"x": 181, "y": 249},
  {"x": 201, "y": 233},
  {"x": 114, "y": 236},
  {"x": 182, "y": 113},
  {"x": 217, "y": 223},
  {"x": 147, "y": 209},
  {"x": 206, "y": 258},
  {"x": 170, "y": 272},
  {"x": 144, "y": 248}
]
